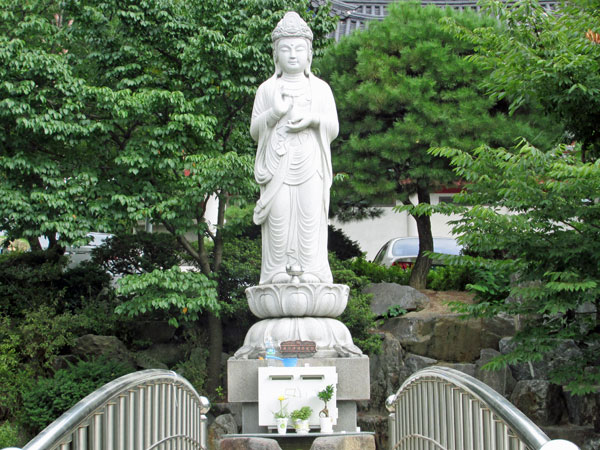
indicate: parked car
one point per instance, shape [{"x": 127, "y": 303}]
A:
[
  {"x": 84, "y": 253},
  {"x": 403, "y": 251}
]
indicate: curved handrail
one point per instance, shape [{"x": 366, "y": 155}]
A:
[
  {"x": 529, "y": 433},
  {"x": 74, "y": 417}
]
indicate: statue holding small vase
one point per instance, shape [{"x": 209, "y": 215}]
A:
[{"x": 294, "y": 120}]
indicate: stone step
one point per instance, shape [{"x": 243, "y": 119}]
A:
[{"x": 293, "y": 441}]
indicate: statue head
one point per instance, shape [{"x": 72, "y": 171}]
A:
[{"x": 292, "y": 34}]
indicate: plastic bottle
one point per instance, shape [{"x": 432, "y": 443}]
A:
[{"x": 269, "y": 350}]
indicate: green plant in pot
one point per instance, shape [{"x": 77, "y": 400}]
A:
[
  {"x": 325, "y": 420},
  {"x": 300, "y": 419},
  {"x": 281, "y": 416}
]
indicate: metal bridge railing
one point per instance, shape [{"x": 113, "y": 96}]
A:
[
  {"x": 439, "y": 408},
  {"x": 146, "y": 410}
]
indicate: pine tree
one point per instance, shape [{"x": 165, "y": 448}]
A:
[{"x": 401, "y": 87}]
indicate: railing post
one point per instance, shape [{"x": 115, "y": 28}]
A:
[
  {"x": 390, "y": 404},
  {"x": 204, "y": 408}
]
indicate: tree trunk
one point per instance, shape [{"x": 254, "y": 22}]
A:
[
  {"x": 215, "y": 348},
  {"x": 34, "y": 244},
  {"x": 418, "y": 276}
]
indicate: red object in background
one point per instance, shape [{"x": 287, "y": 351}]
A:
[
  {"x": 402, "y": 264},
  {"x": 186, "y": 172}
]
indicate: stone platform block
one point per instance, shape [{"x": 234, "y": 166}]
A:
[{"x": 353, "y": 377}]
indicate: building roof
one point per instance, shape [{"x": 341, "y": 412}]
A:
[{"x": 356, "y": 14}]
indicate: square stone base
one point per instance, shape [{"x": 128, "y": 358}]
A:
[{"x": 353, "y": 385}]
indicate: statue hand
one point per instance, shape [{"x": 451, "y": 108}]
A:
[
  {"x": 281, "y": 103},
  {"x": 303, "y": 124}
]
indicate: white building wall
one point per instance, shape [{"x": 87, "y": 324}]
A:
[{"x": 371, "y": 234}]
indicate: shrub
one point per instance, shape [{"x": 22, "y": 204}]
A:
[
  {"x": 28, "y": 280},
  {"x": 342, "y": 245},
  {"x": 128, "y": 254},
  {"x": 376, "y": 273},
  {"x": 9, "y": 435},
  {"x": 357, "y": 316},
  {"x": 50, "y": 397},
  {"x": 454, "y": 277}
]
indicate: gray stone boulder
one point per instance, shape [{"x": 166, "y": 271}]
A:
[
  {"x": 388, "y": 295},
  {"x": 565, "y": 352},
  {"x": 582, "y": 409},
  {"x": 466, "y": 368},
  {"x": 592, "y": 444},
  {"x": 502, "y": 381},
  {"x": 91, "y": 346},
  {"x": 354, "y": 442},
  {"x": 248, "y": 443},
  {"x": 413, "y": 363},
  {"x": 167, "y": 354},
  {"x": 448, "y": 337},
  {"x": 539, "y": 400},
  {"x": 384, "y": 371},
  {"x": 222, "y": 425}
]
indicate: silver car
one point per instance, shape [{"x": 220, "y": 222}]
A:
[{"x": 403, "y": 251}]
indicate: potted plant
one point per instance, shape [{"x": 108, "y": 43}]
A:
[
  {"x": 300, "y": 419},
  {"x": 281, "y": 416},
  {"x": 324, "y": 419}
]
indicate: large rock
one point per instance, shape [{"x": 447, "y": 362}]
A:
[
  {"x": 592, "y": 444},
  {"x": 222, "y": 425},
  {"x": 466, "y": 368},
  {"x": 565, "y": 352},
  {"x": 167, "y": 354},
  {"x": 413, "y": 363},
  {"x": 377, "y": 423},
  {"x": 384, "y": 371},
  {"x": 91, "y": 346},
  {"x": 539, "y": 400},
  {"x": 154, "y": 331},
  {"x": 448, "y": 337},
  {"x": 353, "y": 442},
  {"x": 582, "y": 409},
  {"x": 387, "y": 295},
  {"x": 249, "y": 443},
  {"x": 502, "y": 380}
]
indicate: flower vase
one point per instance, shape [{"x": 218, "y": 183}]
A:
[
  {"x": 281, "y": 425},
  {"x": 326, "y": 424},
  {"x": 301, "y": 426}
]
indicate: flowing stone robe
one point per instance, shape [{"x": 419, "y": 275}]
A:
[{"x": 294, "y": 173}]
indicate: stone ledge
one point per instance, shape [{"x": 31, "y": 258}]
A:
[{"x": 353, "y": 377}]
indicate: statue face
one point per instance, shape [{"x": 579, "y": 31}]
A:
[{"x": 293, "y": 55}]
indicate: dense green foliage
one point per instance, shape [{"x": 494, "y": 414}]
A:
[
  {"x": 531, "y": 213},
  {"x": 535, "y": 208},
  {"x": 117, "y": 112},
  {"x": 127, "y": 254},
  {"x": 401, "y": 87},
  {"x": 550, "y": 60},
  {"x": 50, "y": 397}
]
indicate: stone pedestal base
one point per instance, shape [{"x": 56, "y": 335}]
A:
[
  {"x": 353, "y": 385},
  {"x": 331, "y": 336}
]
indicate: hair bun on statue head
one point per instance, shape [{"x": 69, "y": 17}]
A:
[{"x": 291, "y": 25}]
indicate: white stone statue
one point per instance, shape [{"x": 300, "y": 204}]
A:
[{"x": 294, "y": 120}]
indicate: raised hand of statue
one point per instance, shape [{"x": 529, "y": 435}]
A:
[
  {"x": 281, "y": 103},
  {"x": 302, "y": 124}
]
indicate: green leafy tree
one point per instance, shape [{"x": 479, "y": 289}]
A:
[
  {"x": 537, "y": 208},
  {"x": 47, "y": 170},
  {"x": 401, "y": 87},
  {"x": 152, "y": 100},
  {"x": 534, "y": 208},
  {"x": 551, "y": 60}
]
